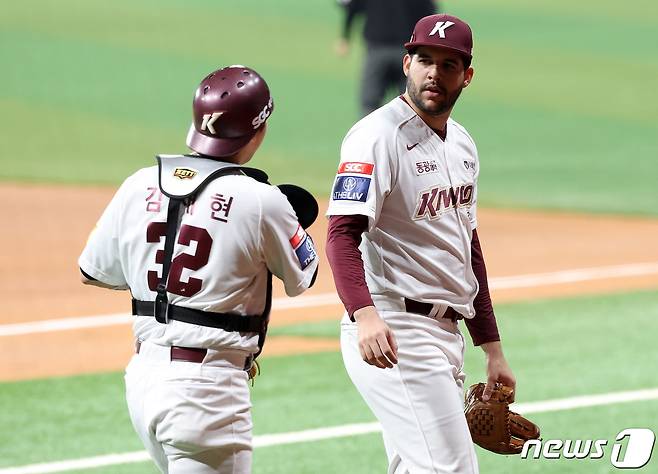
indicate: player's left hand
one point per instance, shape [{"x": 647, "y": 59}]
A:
[{"x": 498, "y": 370}]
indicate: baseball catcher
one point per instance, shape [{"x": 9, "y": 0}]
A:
[
  {"x": 493, "y": 426},
  {"x": 198, "y": 239}
]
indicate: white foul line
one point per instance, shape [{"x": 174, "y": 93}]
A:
[
  {"x": 329, "y": 299},
  {"x": 342, "y": 431},
  {"x": 52, "y": 325},
  {"x": 77, "y": 464},
  {"x": 572, "y": 276}
]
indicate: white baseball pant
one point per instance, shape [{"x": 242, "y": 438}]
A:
[
  {"x": 193, "y": 418},
  {"x": 419, "y": 402}
]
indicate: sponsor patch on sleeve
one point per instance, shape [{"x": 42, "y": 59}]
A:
[
  {"x": 296, "y": 239},
  {"x": 351, "y": 188},
  {"x": 303, "y": 247},
  {"x": 356, "y": 167}
]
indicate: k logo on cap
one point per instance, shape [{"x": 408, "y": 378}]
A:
[
  {"x": 443, "y": 31},
  {"x": 441, "y": 27}
]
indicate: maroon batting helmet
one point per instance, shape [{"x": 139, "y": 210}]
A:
[{"x": 229, "y": 106}]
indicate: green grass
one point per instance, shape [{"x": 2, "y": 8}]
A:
[
  {"x": 562, "y": 106},
  {"x": 557, "y": 349},
  {"x": 64, "y": 418},
  {"x": 581, "y": 340},
  {"x": 94, "y": 91}
]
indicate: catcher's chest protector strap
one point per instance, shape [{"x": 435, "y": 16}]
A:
[
  {"x": 163, "y": 311},
  {"x": 265, "y": 315},
  {"x": 225, "y": 321},
  {"x": 161, "y": 304}
]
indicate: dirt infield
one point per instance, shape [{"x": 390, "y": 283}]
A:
[{"x": 47, "y": 227}]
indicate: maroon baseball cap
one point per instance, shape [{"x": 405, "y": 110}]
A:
[
  {"x": 443, "y": 31},
  {"x": 229, "y": 107}
]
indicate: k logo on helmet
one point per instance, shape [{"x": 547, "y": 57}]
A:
[{"x": 209, "y": 121}]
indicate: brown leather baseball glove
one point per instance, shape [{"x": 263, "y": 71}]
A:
[{"x": 493, "y": 426}]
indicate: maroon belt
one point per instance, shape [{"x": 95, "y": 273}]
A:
[
  {"x": 186, "y": 354},
  {"x": 418, "y": 307}
]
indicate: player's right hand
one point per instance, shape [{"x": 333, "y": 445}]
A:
[{"x": 377, "y": 343}]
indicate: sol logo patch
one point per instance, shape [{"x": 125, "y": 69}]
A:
[
  {"x": 185, "y": 173},
  {"x": 351, "y": 188},
  {"x": 356, "y": 167},
  {"x": 303, "y": 247}
]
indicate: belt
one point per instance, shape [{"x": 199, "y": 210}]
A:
[
  {"x": 418, "y": 307},
  {"x": 197, "y": 355},
  {"x": 186, "y": 354}
]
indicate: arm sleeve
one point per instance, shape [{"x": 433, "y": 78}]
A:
[
  {"x": 343, "y": 239},
  {"x": 288, "y": 250},
  {"x": 482, "y": 327}
]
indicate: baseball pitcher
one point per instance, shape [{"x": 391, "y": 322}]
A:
[{"x": 406, "y": 258}]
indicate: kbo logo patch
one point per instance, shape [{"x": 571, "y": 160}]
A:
[{"x": 351, "y": 188}]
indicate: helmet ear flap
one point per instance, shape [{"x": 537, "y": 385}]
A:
[{"x": 229, "y": 106}]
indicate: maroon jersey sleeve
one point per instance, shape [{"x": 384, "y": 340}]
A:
[
  {"x": 343, "y": 239},
  {"x": 483, "y": 326}
]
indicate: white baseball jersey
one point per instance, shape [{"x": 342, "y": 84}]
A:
[
  {"x": 419, "y": 194},
  {"x": 235, "y": 231}
]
